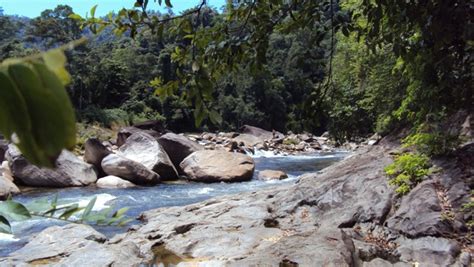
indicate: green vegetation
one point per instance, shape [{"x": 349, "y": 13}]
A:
[{"x": 407, "y": 171}]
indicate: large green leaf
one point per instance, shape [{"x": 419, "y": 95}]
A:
[
  {"x": 88, "y": 208},
  {"x": 5, "y": 226},
  {"x": 14, "y": 211}
]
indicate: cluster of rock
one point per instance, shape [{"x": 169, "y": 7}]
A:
[
  {"x": 252, "y": 139},
  {"x": 138, "y": 157},
  {"x": 345, "y": 215}
]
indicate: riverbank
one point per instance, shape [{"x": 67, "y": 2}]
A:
[{"x": 346, "y": 215}]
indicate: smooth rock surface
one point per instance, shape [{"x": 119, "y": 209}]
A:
[
  {"x": 69, "y": 171},
  {"x": 72, "y": 245},
  {"x": 145, "y": 149},
  {"x": 178, "y": 147},
  {"x": 7, "y": 188},
  {"x": 271, "y": 175},
  {"x": 218, "y": 166},
  {"x": 130, "y": 170},
  {"x": 113, "y": 182}
]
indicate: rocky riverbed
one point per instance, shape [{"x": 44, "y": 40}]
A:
[{"x": 344, "y": 215}]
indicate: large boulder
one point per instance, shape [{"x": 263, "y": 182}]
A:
[
  {"x": 7, "y": 188},
  {"x": 178, "y": 147},
  {"x": 126, "y": 132},
  {"x": 255, "y": 131},
  {"x": 128, "y": 169},
  {"x": 95, "y": 152},
  {"x": 143, "y": 148},
  {"x": 69, "y": 171},
  {"x": 218, "y": 166},
  {"x": 113, "y": 182}
]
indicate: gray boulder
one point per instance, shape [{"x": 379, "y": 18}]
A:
[
  {"x": 419, "y": 213},
  {"x": 128, "y": 169},
  {"x": 218, "y": 166},
  {"x": 95, "y": 152},
  {"x": 113, "y": 182},
  {"x": 143, "y": 148},
  {"x": 69, "y": 171},
  {"x": 7, "y": 188},
  {"x": 178, "y": 147},
  {"x": 126, "y": 132}
]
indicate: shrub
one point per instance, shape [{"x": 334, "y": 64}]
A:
[
  {"x": 407, "y": 171},
  {"x": 436, "y": 143}
]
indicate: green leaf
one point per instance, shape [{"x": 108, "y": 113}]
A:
[
  {"x": 55, "y": 60},
  {"x": 93, "y": 11},
  {"x": 75, "y": 17},
  {"x": 70, "y": 210},
  {"x": 14, "y": 211},
  {"x": 5, "y": 226},
  {"x": 168, "y": 3},
  {"x": 120, "y": 212},
  {"x": 88, "y": 208}
]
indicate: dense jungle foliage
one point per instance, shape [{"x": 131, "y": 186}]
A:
[{"x": 350, "y": 67}]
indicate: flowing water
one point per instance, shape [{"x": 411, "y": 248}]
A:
[{"x": 141, "y": 199}]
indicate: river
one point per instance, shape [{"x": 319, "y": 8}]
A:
[{"x": 141, "y": 199}]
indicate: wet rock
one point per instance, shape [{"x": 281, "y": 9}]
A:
[
  {"x": 72, "y": 245},
  {"x": 428, "y": 251},
  {"x": 95, "y": 152},
  {"x": 419, "y": 213},
  {"x": 124, "y": 133},
  {"x": 113, "y": 182},
  {"x": 178, "y": 147},
  {"x": 272, "y": 175},
  {"x": 128, "y": 169},
  {"x": 218, "y": 166},
  {"x": 69, "y": 171},
  {"x": 145, "y": 149},
  {"x": 7, "y": 188}
]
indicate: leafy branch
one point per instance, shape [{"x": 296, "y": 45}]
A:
[{"x": 11, "y": 211}]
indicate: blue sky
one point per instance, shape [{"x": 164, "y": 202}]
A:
[{"x": 33, "y": 8}]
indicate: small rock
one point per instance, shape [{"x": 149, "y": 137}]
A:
[
  {"x": 7, "y": 188},
  {"x": 272, "y": 175},
  {"x": 113, "y": 182}
]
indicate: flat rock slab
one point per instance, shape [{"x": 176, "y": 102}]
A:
[
  {"x": 72, "y": 245},
  {"x": 218, "y": 166}
]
